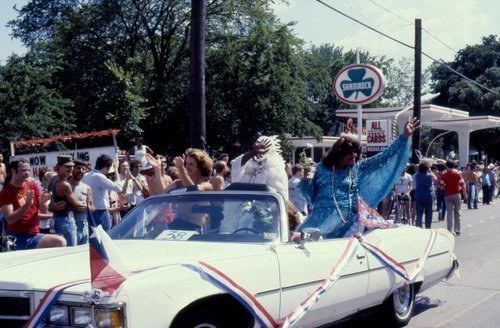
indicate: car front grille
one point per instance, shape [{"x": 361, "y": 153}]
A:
[{"x": 15, "y": 308}]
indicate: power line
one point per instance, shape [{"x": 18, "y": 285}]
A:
[
  {"x": 365, "y": 25},
  {"x": 425, "y": 30},
  {"x": 441, "y": 62}
]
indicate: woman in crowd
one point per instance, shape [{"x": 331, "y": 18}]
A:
[
  {"x": 424, "y": 190},
  {"x": 194, "y": 168}
]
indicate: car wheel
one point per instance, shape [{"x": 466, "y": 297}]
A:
[
  {"x": 398, "y": 308},
  {"x": 203, "y": 319}
]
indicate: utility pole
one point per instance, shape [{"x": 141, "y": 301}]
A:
[
  {"x": 197, "y": 73},
  {"x": 417, "y": 92}
]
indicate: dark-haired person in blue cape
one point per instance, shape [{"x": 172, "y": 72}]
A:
[{"x": 340, "y": 178}]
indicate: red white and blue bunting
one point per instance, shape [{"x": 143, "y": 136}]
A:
[
  {"x": 222, "y": 281},
  {"x": 301, "y": 310},
  {"x": 47, "y": 301},
  {"x": 397, "y": 267}
]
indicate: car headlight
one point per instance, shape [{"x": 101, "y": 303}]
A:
[
  {"x": 81, "y": 316},
  {"x": 59, "y": 315},
  {"x": 109, "y": 318}
]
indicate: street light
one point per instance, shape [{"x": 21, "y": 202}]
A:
[{"x": 435, "y": 138}]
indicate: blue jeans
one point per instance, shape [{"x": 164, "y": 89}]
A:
[
  {"x": 82, "y": 232},
  {"x": 440, "y": 204},
  {"x": 424, "y": 206},
  {"x": 103, "y": 218},
  {"x": 492, "y": 191},
  {"x": 26, "y": 240},
  {"x": 472, "y": 195},
  {"x": 66, "y": 227}
]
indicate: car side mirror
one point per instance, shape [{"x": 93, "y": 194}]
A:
[{"x": 309, "y": 234}]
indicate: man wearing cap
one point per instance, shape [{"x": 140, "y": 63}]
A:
[
  {"x": 101, "y": 186},
  {"x": 21, "y": 202},
  {"x": 63, "y": 202}
]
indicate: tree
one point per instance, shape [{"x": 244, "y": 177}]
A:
[
  {"x": 125, "y": 61},
  {"x": 124, "y": 64},
  {"x": 255, "y": 82},
  {"x": 479, "y": 63},
  {"x": 399, "y": 90},
  {"x": 30, "y": 103}
]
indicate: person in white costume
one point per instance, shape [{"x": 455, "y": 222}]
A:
[{"x": 263, "y": 164}]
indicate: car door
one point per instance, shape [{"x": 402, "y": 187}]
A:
[{"x": 303, "y": 270}]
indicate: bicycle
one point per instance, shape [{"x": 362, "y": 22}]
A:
[
  {"x": 398, "y": 204},
  {"x": 7, "y": 243}
]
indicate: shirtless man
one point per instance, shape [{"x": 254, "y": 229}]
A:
[{"x": 473, "y": 182}]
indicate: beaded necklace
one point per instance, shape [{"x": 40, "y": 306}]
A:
[{"x": 351, "y": 185}]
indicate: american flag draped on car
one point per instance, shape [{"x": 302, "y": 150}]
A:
[
  {"x": 370, "y": 218},
  {"x": 108, "y": 268}
]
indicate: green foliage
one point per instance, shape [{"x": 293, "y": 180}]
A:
[
  {"x": 30, "y": 103},
  {"x": 99, "y": 64},
  {"x": 256, "y": 76},
  {"x": 480, "y": 63}
]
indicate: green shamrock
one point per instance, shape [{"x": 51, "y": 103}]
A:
[{"x": 357, "y": 84}]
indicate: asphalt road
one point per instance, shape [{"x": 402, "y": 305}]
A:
[{"x": 471, "y": 299}]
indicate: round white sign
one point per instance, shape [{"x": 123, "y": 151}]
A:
[{"x": 359, "y": 84}]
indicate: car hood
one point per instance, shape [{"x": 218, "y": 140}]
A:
[{"x": 45, "y": 268}]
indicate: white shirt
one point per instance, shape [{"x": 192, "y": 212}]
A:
[
  {"x": 80, "y": 192},
  {"x": 403, "y": 183},
  {"x": 100, "y": 186}
]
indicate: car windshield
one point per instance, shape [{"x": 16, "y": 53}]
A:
[{"x": 203, "y": 216}]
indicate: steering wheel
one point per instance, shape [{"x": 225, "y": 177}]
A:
[{"x": 246, "y": 229}]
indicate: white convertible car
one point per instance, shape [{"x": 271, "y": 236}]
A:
[{"x": 223, "y": 259}]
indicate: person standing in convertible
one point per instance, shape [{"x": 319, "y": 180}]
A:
[{"x": 339, "y": 179}]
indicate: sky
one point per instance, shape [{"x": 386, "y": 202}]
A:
[
  {"x": 8, "y": 45},
  {"x": 456, "y": 23}
]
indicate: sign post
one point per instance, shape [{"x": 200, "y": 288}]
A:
[{"x": 360, "y": 112}]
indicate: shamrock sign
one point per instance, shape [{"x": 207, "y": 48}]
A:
[{"x": 359, "y": 84}]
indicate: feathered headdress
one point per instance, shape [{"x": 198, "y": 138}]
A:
[{"x": 274, "y": 148}]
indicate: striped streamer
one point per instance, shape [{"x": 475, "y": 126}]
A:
[
  {"x": 335, "y": 273},
  {"x": 48, "y": 300},
  {"x": 397, "y": 267},
  {"x": 222, "y": 281}
]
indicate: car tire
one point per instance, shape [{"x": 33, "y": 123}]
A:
[
  {"x": 398, "y": 308},
  {"x": 203, "y": 319}
]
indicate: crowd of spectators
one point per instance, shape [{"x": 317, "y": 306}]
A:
[{"x": 54, "y": 211}]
